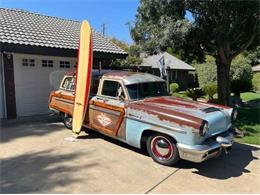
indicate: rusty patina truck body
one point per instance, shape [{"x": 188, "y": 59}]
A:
[{"x": 136, "y": 109}]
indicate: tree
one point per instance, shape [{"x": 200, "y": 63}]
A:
[
  {"x": 123, "y": 45},
  {"x": 131, "y": 60},
  {"x": 224, "y": 29},
  {"x": 253, "y": 56},
  {"x": 221, "y": 28},
  {"x": 160, "y": 24}
]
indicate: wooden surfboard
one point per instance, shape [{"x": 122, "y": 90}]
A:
[{"x": 83, "y": 79}]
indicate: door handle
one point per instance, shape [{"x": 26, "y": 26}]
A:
[
  {"x": 102, "y": 99},
  {"x": 59, "y": 94}
]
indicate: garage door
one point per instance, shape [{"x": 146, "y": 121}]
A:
[{"x": 33, "y": 83}]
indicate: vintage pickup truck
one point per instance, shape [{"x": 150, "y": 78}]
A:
[{"x": 136, "y": 109}]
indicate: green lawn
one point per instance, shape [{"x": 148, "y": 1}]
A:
[
  {"x": 248, "y": 120},
  {"x": 181, "y": 94},
  {"x": 248, "y": 96}
]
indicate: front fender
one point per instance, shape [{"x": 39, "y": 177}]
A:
[{"x": 136, "y": 128}]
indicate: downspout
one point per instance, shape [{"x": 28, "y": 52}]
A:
[{"x": 3, "y": 84}]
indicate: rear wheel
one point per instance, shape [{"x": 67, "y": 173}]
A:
[
  {"x": 162, "y": 149},
  {"x": 67, "y": 120}
]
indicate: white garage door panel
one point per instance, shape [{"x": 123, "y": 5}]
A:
[{"x": 32, "y": 84}]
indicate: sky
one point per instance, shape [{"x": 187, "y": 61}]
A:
[{"x": 113, "y": 13}]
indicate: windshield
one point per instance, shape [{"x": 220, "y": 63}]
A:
[{"x": 144, "y": 90}]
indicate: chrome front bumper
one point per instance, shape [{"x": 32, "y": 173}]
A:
[{"x": 199, "y": 153}]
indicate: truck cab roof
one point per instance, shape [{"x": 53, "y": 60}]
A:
[
  {"x": 130, "y": 78},
  {"x": 95, "y": 72}
]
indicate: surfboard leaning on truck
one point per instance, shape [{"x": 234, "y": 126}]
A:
[{"x": 83, "y": 78}]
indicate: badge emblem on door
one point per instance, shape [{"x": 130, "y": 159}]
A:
[{"x": 104, "y": 120}]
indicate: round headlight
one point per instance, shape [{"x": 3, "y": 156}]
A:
[
  {"x": 234, "y": 114},
  {"x": 204, "y": 128}
]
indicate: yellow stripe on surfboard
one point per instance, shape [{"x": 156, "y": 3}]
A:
[{"x": 83, "y": 72}]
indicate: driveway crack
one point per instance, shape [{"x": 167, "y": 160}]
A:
[{"x": 152, "y": 188}]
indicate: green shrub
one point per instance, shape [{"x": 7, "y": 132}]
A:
[
  {"x": 210, "y": 89},
  {"x": 240, "y": 69},
  {"x": 241, "y": 75},
  {"x": 174, "y": 87},
  {"x": 239, "y": 86},
  {"x": 256, "y": 81},
  {"x": 195, "y": 93},
  {"x": 207, "y": 71}
]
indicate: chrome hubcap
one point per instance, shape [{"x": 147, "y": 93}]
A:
[
  {"x": 162, "y": 148},
  {"x": 68, "y": 120}
]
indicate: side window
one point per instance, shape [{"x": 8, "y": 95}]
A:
[
  {"x": 69, "y": 84},
  {"x": 94, "y": 85},
  {"x": 111, "y": 88}
]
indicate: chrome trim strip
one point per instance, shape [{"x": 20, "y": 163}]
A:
[
  {"x": 162, "y": 126},
  {"x": 114, "y": 137},
  {"x": 53, "y": 110},
  {"x": 97, "y": 108},
  {"x": 64, "y": 101}
]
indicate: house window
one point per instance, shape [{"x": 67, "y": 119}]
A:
[
  {"x": 28, "y": 62},
  {"x": 47, "y": 63},
  {"x": 64, "y": 64},
  {"x": 25, "y": 62},
  {"x": 32, "y": 62},
  {"x": 174, "y": 75}
]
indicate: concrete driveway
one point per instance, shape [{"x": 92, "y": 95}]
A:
[{"x": 36, "y": 158}]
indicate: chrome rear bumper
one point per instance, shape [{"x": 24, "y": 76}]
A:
[
  {"x": 54, "y": 111},
  {"x": 199, "y": 153}
]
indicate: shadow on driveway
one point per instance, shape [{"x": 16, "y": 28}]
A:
[
  {"x": 91, "y": 134},
  {"x": 40, "y": 172},
  {"x": 224, "y": 167},
  {"x": 29, "y": 126}
]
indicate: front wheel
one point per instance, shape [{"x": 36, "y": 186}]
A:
[
  {"x": 67, "y": 120},
  {"x": 162, "y": 149}
]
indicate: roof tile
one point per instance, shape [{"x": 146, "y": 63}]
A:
[{"x": 22, "y": 27}]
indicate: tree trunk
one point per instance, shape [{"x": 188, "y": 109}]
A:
[{"x": 223, "y": 80}]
